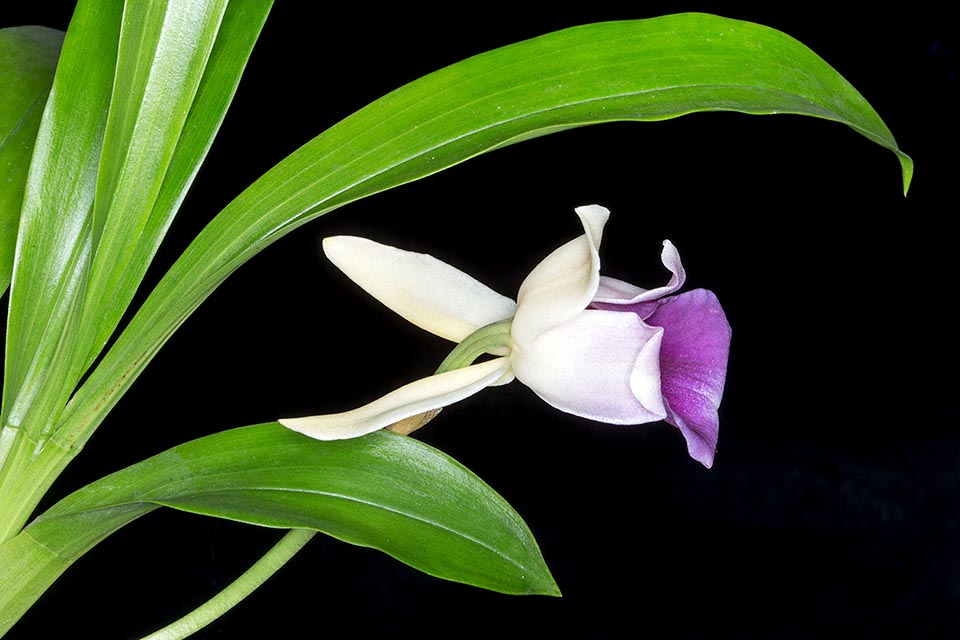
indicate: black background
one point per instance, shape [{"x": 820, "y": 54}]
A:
[{"x": 833, "y": 504}]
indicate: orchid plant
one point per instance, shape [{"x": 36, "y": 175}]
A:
[{"x": 102, "y": 132}]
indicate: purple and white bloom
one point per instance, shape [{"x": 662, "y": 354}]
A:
[{"x": 589, "y": 345}]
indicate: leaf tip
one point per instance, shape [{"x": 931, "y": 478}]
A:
[
  {"x": 542, "y": 583},
  {"x": 906, "y": 169}
]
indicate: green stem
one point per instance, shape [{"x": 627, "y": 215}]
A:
[
  {"x": 493, "y": 338},
  {"x": 260, "y": 572}
]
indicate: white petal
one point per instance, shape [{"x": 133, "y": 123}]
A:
[
  {"x": 428, "y": 292},
  {"x": 602, "y": 365},
  {"x": 616, "y": 291},
  {"x": 412, "y": 399},
  {"x": 564, "y": 282}
]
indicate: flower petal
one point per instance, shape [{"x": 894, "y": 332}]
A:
[
  {"x": 409, "y": 400},
  {"x": 617, "y": 292},
  {"x": 428, "y": 292},
  {"x": 564, "y": 282},
  {"x": 693, "y": 366},
  {"x": 601, "y": 365}
]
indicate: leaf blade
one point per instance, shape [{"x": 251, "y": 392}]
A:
[
  {"x": 387, "y": 492},
  {"x": 164, "y": 50},
  {"x": 53, "y": 242},
  {"x": 382, "y": 491},
  {"x": 178, "y": 65},
  {"x": 28, "y": 59},
  {"x": 635, "y": 70}
]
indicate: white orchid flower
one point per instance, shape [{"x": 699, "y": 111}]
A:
[{"x": 589, "y": 345}]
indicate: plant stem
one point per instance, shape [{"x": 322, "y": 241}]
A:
[
  {"x": 493, "y": 338},
  {"x": 256, "y": 575}
]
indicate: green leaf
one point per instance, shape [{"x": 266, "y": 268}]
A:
[
  {"x": 28, "y": 58},
  {"x": 383, "y": 491},
  {"x": 152, "y": 96},
  {"x": 640, "y": 70},
  {"x": 149, "y": 83},
  {"x": 54, "y": 225},
  {"x": 179, "y": 66},
  {"x": 54, "y": 249}
]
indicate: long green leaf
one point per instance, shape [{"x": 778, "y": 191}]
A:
[
  {"x": 168, "y": 91},
  {"x": 53, "y": 250},
  {"x": 28, "y": 58},
  {"x": 178, "y": 67},
  {"x": 636, "y": 70},
  {"x": 54, "y": 240},
  {"x": 384, "y": 491}
]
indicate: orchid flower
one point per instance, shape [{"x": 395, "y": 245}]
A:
[{"x": 587, "y": 344}]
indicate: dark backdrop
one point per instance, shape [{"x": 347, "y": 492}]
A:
[{"x": 833, "y": 503}]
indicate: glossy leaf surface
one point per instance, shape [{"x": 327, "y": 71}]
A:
[
  {"x": 383, "y": 491},
  {"x": 28, "y": 59},
  {"x": 153, "y": 99},
  {"x": 47, "y": 284},
  {"x": 150, "y": 82}
]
